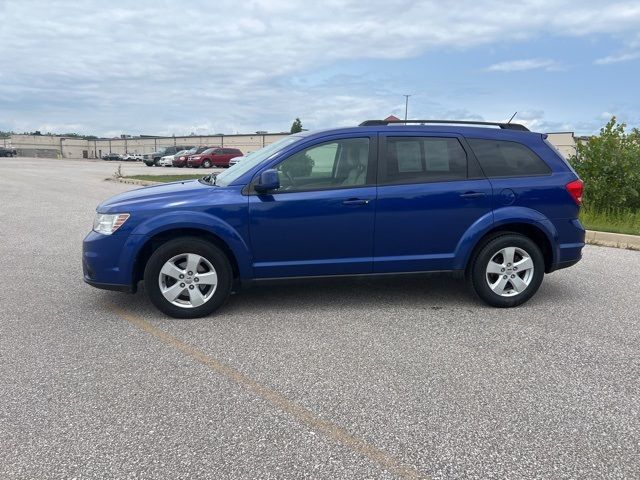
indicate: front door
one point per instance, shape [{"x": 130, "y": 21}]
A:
[
  {"x": 320, "y": 221},
  {"x": 430, "y": 192}
]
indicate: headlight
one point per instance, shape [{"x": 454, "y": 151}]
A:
[{"x": 109, "y": 223}]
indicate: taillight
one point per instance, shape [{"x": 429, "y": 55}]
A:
[{"x": 575, "y": 189}]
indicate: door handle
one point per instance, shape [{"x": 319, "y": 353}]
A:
[
  {"x": 356, "y": 201},
  {"x": 472, "y": 195}
]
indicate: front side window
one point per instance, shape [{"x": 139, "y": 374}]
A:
[
  {"x": 501, "y": 158},
  {"x": 228, "y": 176},
  {"x": 423, "y": 159},
  {"x": 336, "y": 164}
]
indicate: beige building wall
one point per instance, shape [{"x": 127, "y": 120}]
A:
[
  {"x": 54, "y": 146},
  {"x": 70, "y": 147},
  {"x": 565, "y": 142}
]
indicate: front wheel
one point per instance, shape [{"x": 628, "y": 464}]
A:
[
  {"x": 507, "y": 271},
  {"x": 206, "y": 164},
  {"x": 188, "y": 278}
]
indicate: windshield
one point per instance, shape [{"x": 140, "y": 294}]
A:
[
  {"x": 208, "y": 151},
  {"x": 240, "y": 168}
]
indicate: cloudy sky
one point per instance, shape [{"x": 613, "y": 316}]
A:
[{"x": 169, "y": 67}]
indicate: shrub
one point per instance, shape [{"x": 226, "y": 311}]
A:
[{"x": 609, "y": 164}]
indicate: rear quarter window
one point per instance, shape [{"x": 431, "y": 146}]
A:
[{"x": 502, "y": 158}]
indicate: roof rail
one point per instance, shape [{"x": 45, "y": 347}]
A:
[{"x": 505, "y": 126}]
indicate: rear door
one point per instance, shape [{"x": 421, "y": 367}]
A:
[{"x": 430, "y": 191}]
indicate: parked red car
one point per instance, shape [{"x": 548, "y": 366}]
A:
[
  {"x": 181, "y": 160},
  {"x": 216, "y": 156}
]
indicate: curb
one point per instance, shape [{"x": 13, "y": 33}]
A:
[
  {"x": 143, "y": 183},
  {"x": 617, "y": 240}
]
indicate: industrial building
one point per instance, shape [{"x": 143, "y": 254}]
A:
[{"x": 54, "y": 146}]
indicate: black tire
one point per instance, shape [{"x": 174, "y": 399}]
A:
[
  {"x": 148, "y": 164},
  {"x": 181, "y": 246},
  {"x": 206, "y": 164},
  {"x": 480, "y": 262}
]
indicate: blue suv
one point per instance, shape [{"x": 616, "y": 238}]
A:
[{"x": 491, "y": 201}]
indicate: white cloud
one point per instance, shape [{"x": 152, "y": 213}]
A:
[
  {"x": 148, "y": 67},
  {"x": 623, "y": 57},
  {"x": 522, "y": 65}
]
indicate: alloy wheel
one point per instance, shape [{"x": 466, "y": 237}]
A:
[
  {"x": 188, "y": 280},
  {"x": 509, "y": 271}
]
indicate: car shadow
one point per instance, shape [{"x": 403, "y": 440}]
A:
[
  {"x": 431, "y": 291},
  {"x": 436, "y": 291}
]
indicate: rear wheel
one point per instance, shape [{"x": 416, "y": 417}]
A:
[
  {"x": 507, "y": 271},
  {"x": 188, "y": 278}
]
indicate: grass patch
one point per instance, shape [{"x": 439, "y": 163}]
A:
[
  {"x": 624, "y": 221},
  {"x": 165, "y": 178}
]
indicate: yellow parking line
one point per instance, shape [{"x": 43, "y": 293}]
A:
[{"x": 303, "y": 415}]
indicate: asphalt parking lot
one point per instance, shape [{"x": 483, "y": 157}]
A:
[{"x": 354, "y": 379}]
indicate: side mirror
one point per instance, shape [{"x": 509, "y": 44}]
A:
[{"x": 269, "y": 180}]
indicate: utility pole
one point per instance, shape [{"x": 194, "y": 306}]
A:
[{"x": 406, "y": 106}]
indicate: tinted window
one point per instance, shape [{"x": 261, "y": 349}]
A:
[
  {"x": 499, "y": 158},
  {"x": 424, "y": 159},
  {"x": 336, "y": 164}
]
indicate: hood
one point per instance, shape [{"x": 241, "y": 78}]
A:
[{"x": 165, "y": 195}]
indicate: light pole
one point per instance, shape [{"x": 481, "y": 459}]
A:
[{"x": 406, "y": 106}]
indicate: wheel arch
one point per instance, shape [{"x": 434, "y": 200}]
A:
[
  {"x": 524, "y": 221},
  {"x": 530, "y": 230},
  {"x": 162, "y": 237}
]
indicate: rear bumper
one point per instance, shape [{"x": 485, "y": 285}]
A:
[
  {"x": 567, "y": 264},
  {"x": 572, "y": 233}
]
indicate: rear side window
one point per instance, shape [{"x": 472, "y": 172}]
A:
[
  {"x": 424, "y": 159},
  {"x": 500, "y": 158}
]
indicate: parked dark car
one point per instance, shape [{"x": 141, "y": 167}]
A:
[
  {"x": 8, "y": 152},
  {"x": 218, "y": 157},
  {"x": 112, "y": 157},
  {"x": 153, "y": 158},
  {"x": 496, "y": 206}
]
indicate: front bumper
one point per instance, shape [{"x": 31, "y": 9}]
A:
[
  {"x": 116, "y": 287},
  {"x": 108, "y": 261}
]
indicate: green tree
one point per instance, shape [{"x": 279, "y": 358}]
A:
[
  {"x": 296, "y": 126},
  {"x": 609, "y": 165}
]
